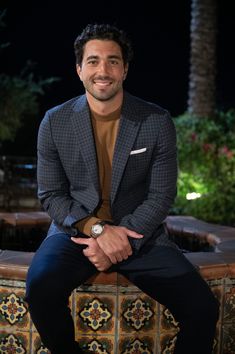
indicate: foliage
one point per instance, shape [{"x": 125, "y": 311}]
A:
[
  {"x": 19, "y": 96},
  {"x": 207, "y": 166},
  {"x": 18, "y": 99}
]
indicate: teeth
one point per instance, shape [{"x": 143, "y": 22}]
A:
[{"x": 102, "y": 83}]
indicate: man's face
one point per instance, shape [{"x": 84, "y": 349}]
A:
[{"x": 102, "y": 70}]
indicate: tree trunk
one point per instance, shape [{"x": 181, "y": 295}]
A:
[{"x": 202, "y": 79}]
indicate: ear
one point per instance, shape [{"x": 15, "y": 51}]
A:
[
  {"x": 125, "y": 71},
  {"x": 79, "y": 70}
]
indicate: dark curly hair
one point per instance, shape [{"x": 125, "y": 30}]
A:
[{"x": 105, "y": 32}]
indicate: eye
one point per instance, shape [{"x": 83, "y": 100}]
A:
[
  {"x": 92, "y": 62},
  {"x": 114, "y": 62}
]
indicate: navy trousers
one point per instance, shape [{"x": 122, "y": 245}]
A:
[{"x": 162, "y": 272}]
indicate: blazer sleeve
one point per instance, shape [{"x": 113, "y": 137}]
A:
[
  {"x": 151, "y": 213},
  {"x": 53, "y": 185}
]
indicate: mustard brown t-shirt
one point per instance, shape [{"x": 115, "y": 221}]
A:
[{"x": 105, "y": 129}]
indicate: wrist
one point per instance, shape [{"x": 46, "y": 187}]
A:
[{"x": 98, "y": 228}]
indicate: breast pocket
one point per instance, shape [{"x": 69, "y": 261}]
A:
[
  {"x": 139, "y": 162},
  {"x": 138, "y": 151}
]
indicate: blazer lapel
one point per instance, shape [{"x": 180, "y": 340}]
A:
[
  {"x": 81, "y": 123},
  {"x": 126, "y": 137}
]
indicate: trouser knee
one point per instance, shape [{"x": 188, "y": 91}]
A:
[{"x": 40, "y": 287}]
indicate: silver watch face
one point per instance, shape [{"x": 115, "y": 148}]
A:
[{"x": 97, "y": 229}]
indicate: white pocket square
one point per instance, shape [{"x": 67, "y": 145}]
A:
[{"x": 139, "y": 151}]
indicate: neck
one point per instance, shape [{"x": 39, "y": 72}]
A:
[{"x": 105, "y": 107}]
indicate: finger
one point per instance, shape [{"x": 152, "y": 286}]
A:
[
  {"x": 86, "y": 252},
  {"x": 119, "y": 257},
  {"x": 134, "y": 234},
  {"x": 125, "y": 256},
  {"x": 129, "y": 251},
  {"x": 102, "y": 268},
  {"x": 113, "y": 259},
  {"x": 80, "y": 240},
  {"x": 126, "y": 252}
]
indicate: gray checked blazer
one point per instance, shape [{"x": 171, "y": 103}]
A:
[{"x": 144, "y": 170}]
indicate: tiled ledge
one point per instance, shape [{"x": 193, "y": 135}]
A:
[
  {"x": 188, "y": 226},
  {"x": 24, "y": 219},
  {"x": 15, "y": 263},
  {"x": 181, "y": 227},
  {"x": 112, "y": 293}
]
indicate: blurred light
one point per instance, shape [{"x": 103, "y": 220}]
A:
[
  {"x": 26, "y": 166},
  {"x": 194, "y": 195}
]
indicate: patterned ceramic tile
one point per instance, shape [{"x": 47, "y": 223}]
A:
[
  {"x": 214, "y": 271},
  {"x": 72, "y": 303},
  {"x": 168, "y": 331},
  {"x": 228, "y": 339},
  {"x": 95, "y": 314},
  {"x": 167, "y": 342},
  {"x": 138, "y": 313},
  {"x": 97, "y": 288},
  {"x": 229, "y": 302},
  {"x": 97, "y": 344},
  {"x": 13, "y": 309},
  {"x": 137, "y": 345},
  {"x": 17, "y": 342},
  {"x": 217, "y": 287},
  {"x": 12, "y": 283},
  {"x": 168, "y": 322},
  {"x": 33, "y": 327},
  {"x": 129, "y": 289},
  {"x": 37, "y": 345},
  {"x": 217, "y": 340},
  {"x": 95, "y": 311}
]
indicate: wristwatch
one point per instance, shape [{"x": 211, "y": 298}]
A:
[{"x": 97, "y": 228}]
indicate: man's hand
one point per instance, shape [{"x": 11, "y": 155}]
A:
[
  {"x": 94, "y": 253},
  {"x": 115, "y": 244}
]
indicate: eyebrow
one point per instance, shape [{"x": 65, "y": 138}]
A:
[{"x": 113, "y": 56}]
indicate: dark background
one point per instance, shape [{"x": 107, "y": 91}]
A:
[{"x": 160, "y": 31}]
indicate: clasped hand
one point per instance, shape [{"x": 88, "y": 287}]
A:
[{"x": 109, "y": 248}]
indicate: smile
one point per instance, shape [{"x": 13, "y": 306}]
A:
[{"x": 102, "y": 83}]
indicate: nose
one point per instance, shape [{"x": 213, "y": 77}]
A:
[{"x": 103, "y": 67}]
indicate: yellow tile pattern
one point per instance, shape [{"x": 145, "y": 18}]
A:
[{"x": 112, "y": 320}]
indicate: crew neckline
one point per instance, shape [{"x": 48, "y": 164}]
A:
[{"x": 115, "y": 115}]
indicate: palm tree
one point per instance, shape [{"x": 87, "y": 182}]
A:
[{"x": 202, "y": 79}]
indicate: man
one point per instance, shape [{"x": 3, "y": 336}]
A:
[{"x": 107, "y": 171}]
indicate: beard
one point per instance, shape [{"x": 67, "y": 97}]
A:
[{"x": 103, "y": 93}]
